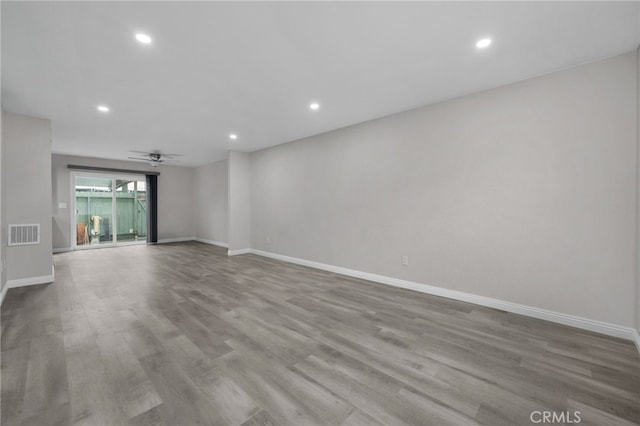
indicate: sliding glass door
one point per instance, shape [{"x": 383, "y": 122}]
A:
[
  {"x": 131, "y": 209},
  {"x": 94, "y": 210},
  {"x": 109, "y": 210}
]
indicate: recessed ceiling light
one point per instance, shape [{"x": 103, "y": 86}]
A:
[
  {"x": 103, "y": 108},
  {"x": 314, "y": 106},
  {"x": 482, "y": 43},
  {"x": 233, "y": 136},
  {"x": 143, "y": 38}
]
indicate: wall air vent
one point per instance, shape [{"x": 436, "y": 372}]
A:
[{"x": 20, "y": 235}]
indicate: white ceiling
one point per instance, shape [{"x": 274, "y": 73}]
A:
[{"x": 253, "y": 68}]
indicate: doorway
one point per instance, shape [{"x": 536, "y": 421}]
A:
[{"x": 108, "y": 210}]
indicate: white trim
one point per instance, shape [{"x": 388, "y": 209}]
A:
[
  {"x": 73, "y": 227},
  {"x": 4, "y": 292},
  {"x": 163, "y": 241},
  {"x": 614, "y": 330},
  {"x": 239, "y": 251},
  {"x": 111, "y": 245},
  {"x": 636, "y": 339},
  {"x": 23, "y": 282},
  {"x": 62, "y": 250},
  {"x": 176, "y": 240},
  {"x": 212, "y": 242}
]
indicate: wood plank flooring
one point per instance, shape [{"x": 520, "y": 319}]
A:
[{"x": 181, "y": 334}]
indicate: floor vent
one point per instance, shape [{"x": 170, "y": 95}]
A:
[{"x": 20, "y": 235}]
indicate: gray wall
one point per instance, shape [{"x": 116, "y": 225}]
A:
[
  {"x": 638, "y": 187},
  {"x": 524, "y": 193},
  {"x": 3, "y": 223},
  {"x": 210, "y": 197},
  {"x": 26, "y": 174},
  {"x": 175, "y": 197},
  {"x": 239, "y": 170}
]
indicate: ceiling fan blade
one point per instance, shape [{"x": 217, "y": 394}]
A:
[
  {"x": 155, "y": 157},
  {"x": 155, "y": 153}
]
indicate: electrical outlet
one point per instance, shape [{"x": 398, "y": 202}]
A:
[
  {"x": 268, "y": 240},
  {"x": 62, "y": 205},
  {"x": 405, "y": 260}
]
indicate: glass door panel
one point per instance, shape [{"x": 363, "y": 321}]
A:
[
  {"x": 131, "y": 210},
  {"x": 94, "y": 211}
]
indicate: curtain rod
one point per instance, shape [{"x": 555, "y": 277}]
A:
[{"x": 110, "y": 170}]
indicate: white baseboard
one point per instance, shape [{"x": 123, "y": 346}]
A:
[
  {"x": 614, "y": 330},
  {"x": 164, "y": 241},
  {"x": 4, "y": 293},
  {"x": 636, "y": 339},
  {"x": 212, "y": 242},
  {"x": 23, "y": 282},
  {"x": 176, "y": 240},
  {"x": 239, "y": 251}
]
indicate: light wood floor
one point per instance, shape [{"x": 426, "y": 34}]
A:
[{"x": 181, "y": 334}]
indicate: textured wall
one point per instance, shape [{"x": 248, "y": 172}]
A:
[
  {"x": 26, "y": 173},
  {"x": 524, "y": 193},
  {"x": 239, "y": 169},
  {"x": 210, "y": 197}
]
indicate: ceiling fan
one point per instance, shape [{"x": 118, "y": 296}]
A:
[{"x": 155, "y": 158}]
